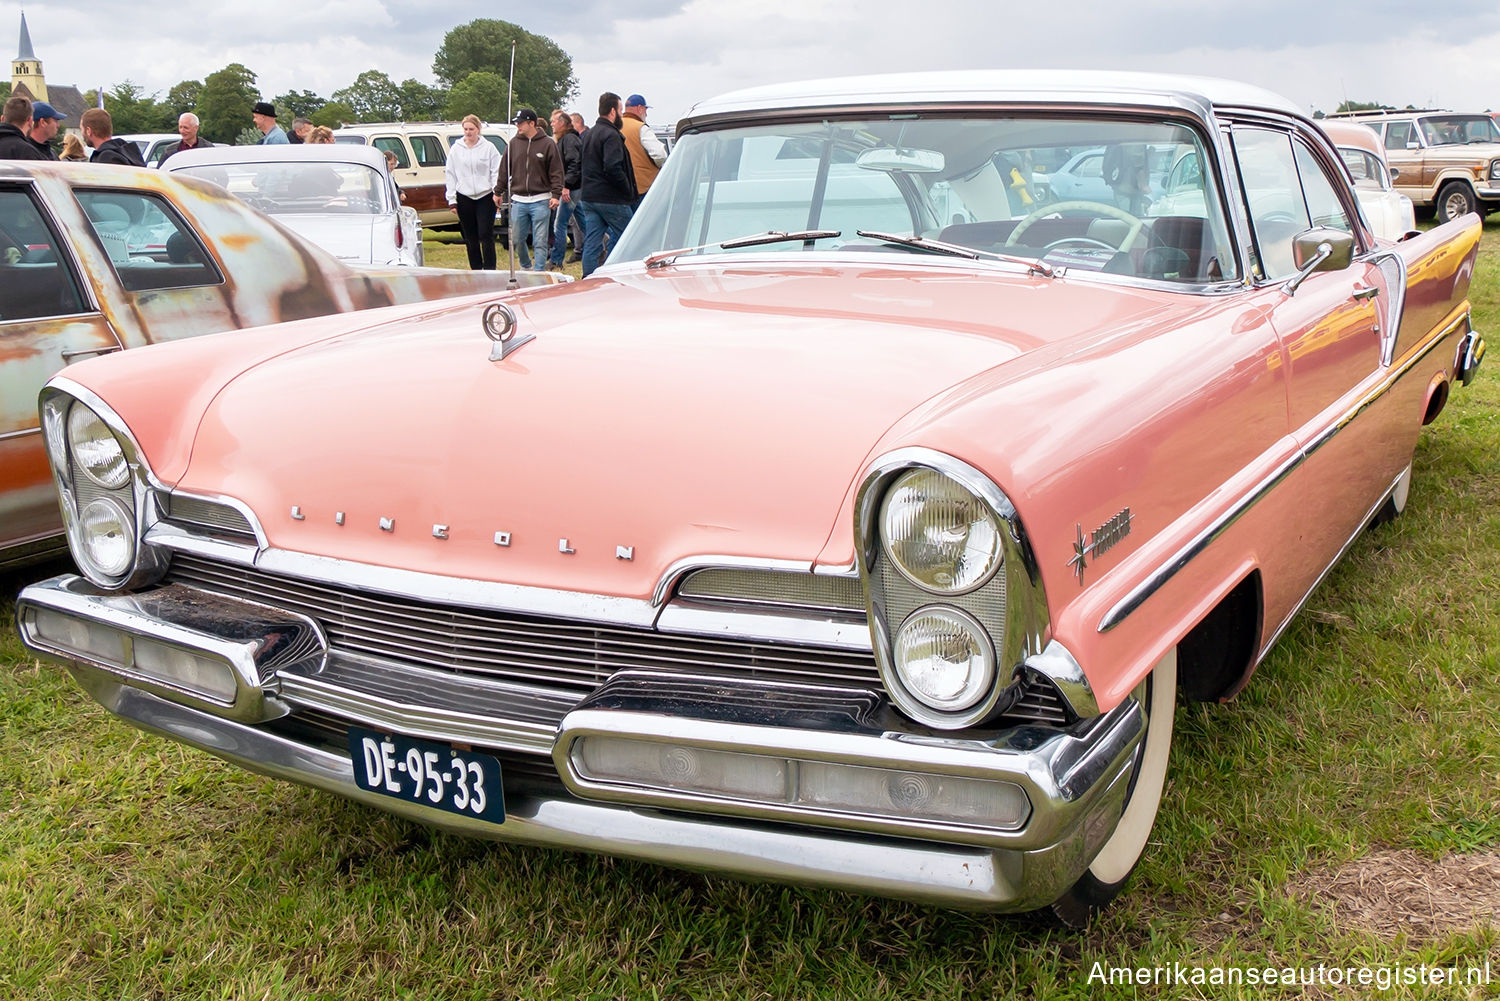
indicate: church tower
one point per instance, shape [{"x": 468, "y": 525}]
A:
[{"x": 26, "y": 68}]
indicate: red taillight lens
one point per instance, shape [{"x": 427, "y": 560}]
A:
[{"x": 400, "y": 239}]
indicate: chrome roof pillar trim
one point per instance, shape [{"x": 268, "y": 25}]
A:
[{"x": 1180, "y": 559}]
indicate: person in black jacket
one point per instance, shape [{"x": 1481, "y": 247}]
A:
[
  {"x": 98, "y": 130},
  {"x": 187, "y": 127},
  {"x": 571, "y": 148},
  {"x": 608, "y": 183},
  {"x": 15, "y": 120}
]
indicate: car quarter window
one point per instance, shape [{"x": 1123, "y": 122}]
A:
[
  {"x": 148, "y": 243},
  {"x": 1365, "y": 168},
  {"x": 1398, "y": 134},
  {"x": 35, "y": 280},
  {"x": 393, "y": 144},
  {"x": 428, "y": 150}
]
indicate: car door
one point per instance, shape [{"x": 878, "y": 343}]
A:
[
  {"x": 1333, "y": 331},
  {"x": 48, "y": 319}
]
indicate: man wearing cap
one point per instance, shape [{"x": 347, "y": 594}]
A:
[
  {"x": 531, "y": 173},
  {"x": 98, "y": 132},
  {"x": 15, "y": 119},
  {"x": 647, "y": 154},
  {"x": 264, "y": 116},
  {"x": 44, "y": 119}
]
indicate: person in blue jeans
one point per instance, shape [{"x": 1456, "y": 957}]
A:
[
  {"x": 608, "y": 183},
  {"x": 571, "y": 149},
  {"x": 531, "y": 174}
]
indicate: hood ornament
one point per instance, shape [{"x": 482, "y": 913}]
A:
[{"x": 500, "y": 327}]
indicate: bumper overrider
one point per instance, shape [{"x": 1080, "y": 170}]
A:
[{"x": 764, "y": 780}]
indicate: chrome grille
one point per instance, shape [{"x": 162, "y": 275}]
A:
[{"x": 533, "y": 650}]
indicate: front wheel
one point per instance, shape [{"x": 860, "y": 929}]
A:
[
  {"x": 1455, "y": 199},
  {"x": 1111, "y": 868}
]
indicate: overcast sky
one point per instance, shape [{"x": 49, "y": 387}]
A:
[{"x": 1444, "y": 54}]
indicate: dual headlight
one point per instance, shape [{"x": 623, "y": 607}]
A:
[
  {"x": 947, "y": 543},
  {"x": 102, "y": 496}
]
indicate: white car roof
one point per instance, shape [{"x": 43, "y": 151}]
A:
[
  {"x": 283, "y": 152},
  {"x": 999, "y": 86}
]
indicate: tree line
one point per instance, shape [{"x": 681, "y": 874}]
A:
[{"x": 470, "y": 66}]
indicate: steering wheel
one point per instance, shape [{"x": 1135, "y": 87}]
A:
[{"x": 1098, "y": 208}]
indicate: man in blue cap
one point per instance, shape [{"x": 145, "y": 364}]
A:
[
  {"x": 44, "y": 125},
  {"x": 647, "y": 154}
]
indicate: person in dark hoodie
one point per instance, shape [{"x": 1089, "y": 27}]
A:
[
  {"x": 15, "y": 120},
  {"x": 571, "y": 148},
  {"x": 608, "y": 186},
  {"x": 98, "y": 132}
]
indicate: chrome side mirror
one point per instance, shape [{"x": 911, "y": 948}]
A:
[{"x": 1319, "y": 249}]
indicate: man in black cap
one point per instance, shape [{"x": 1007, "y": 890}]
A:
[
  {"x": 44, "y": 119},
  {"x": 531, "y": 172},
  {"x": 15, "y": 119},
  {"x": 608, "y": 186},
  {"x": 264, "y": 116}
]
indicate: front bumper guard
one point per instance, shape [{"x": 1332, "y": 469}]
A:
[{"x": 1075, "y": 779}]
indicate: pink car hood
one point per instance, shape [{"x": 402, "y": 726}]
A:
[{"x": 690, "y": 412}]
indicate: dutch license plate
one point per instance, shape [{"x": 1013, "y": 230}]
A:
[{"x": 428, "y": 772}]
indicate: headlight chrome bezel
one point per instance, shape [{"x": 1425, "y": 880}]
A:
[
  {"x": 78, "y": 487},
  {"x": 1015, "y": 631}
]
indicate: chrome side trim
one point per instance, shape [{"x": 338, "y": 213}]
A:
[
  {"x": 1393, "y": 267},
  {"x": 1180, "y": 559},
  {"x": 933, "y": 873},
  {"x": 253, "y": 640},
  {"x": 24, "y": 432}
]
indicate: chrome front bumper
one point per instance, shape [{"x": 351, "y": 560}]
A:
[{"x": 1075, "y": 779}]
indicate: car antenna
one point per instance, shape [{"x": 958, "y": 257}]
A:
[{"x": 510, "y": 168}]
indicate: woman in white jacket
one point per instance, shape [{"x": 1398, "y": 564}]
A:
[{"x": 473, "y": 165}]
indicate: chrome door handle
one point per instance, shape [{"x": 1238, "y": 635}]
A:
[
  {"x": 70, "y": 355},
  {"x": 1365, "y": 293}
]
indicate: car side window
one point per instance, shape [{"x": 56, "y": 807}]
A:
[
  {"x": 393, "y": 144},
  {"x": 35, "y": 280},
  {"x": 1277, "y": 210},
  {"x": 1398, "y": 134},
  {"x": 148, "y": 243},
  {"x": 1323, "y": 206},
  {"x": 428, "y": 150}
]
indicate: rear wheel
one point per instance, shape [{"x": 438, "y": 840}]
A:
[
  {"x": 1396, "y": 502},
  {"x": 1455, "y": 199},
  {"x": 1111, "y": 868}
]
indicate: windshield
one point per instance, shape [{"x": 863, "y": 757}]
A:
[
  {"x": 1449, "y": 130},
  {"x": 1076, "y": 193},
  {"x": 282, "y": 188}
]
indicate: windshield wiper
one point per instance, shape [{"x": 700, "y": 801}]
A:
[
  {"x": 662, "y": 258},
  {"x": 958, "y": 250}
]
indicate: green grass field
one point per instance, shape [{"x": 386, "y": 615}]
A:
[{"x": 1342, "y": 812}]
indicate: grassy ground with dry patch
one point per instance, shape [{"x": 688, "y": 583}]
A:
[{"x": 1341, "y": 812}]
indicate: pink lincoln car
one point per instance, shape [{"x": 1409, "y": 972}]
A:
[{"x": 859, "y": 524}]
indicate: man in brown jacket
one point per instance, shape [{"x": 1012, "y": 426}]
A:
[
  {"x": 647, "y": 154},
  {"x": 531, "y": 178}
]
